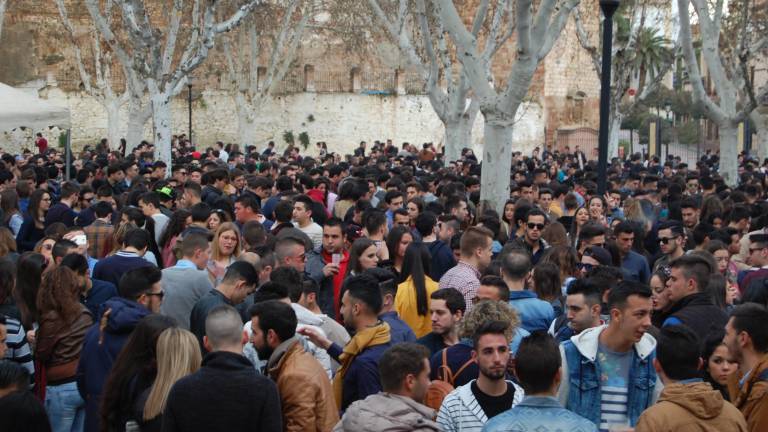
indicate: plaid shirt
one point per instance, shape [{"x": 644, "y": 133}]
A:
[
  {"x": 99, "y": 235},
  {"x": 465, "y": 279}
]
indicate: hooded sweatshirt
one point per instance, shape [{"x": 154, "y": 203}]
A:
[
  {"x": 691, "y": 407},
  {"x": 103, "y": 342},
  {"x": 386, "y": 412}
]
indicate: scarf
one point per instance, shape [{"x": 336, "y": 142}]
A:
[
  {"x": 338, "y": 280},
  {"x": 371, "y": 336}
]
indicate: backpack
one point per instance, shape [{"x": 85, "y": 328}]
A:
[{"x": 438, "y": 389}]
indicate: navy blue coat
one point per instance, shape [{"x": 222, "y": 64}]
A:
[{"x": 96, "y": 359}]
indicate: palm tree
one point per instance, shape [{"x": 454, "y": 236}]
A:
[{"x": 651, "y": 53}]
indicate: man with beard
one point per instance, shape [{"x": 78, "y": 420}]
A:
[
  {"x": 531, "y": 241},
  {"x": 470, "y": 406},
  {"x": 671, "y": 241},
  {"x": 404, "y": 371},
  {"x": 305, "y": 390},
  {"x": 358, "y": 376},
  {"x": 746, "y": 337}
]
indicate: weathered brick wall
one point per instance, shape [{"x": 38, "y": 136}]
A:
[{"x": 34, "y": 44}]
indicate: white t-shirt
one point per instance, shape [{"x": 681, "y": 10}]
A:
[
  {"x": 161, "y": 221},
  {"x": 314, "y": 232}
]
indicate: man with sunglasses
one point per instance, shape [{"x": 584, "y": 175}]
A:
[
  {"x": 592, "y": 257},
  {"x": 531, "y": 241},
  {"x": 671, "y": 241},
  {"x": 758, "y": 260}
]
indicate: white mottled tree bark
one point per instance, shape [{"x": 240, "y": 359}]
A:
[
  {"x": 426, "y": 48},
  {"x": 3, "y": 5},
  {"x": 731, "y": 105},
  {"x": 242, "y": 58},
  {"x": 149, "y": 50},
  {"x": 98, "y": 84},
  {"x": 760, "y": 145},
  {"x": 536, "y": 34}
]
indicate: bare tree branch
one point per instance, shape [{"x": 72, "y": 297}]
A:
[{"x": 3, "y": 5}]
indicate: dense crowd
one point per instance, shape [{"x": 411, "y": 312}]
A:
[{"x": 246, "y": 289}]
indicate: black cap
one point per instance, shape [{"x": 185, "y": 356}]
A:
[{"x": 601, "y": 255}]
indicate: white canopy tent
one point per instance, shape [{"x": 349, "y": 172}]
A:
[{"x": 20, "y": 109}]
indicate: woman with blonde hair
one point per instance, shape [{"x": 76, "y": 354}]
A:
[
  {"x": 225, "y": 248},
  {"x": 178, "y": 355}
]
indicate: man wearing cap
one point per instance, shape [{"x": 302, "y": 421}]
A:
[{"x": 594, "y": 256}]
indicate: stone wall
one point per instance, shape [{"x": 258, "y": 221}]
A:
[{"x": 340, "y": 119}]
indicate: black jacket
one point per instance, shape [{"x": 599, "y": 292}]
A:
[
  {"x": 225, "y": 395},
  {"x": 698, "y": 312}
]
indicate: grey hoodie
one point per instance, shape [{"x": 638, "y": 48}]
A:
[{"x": 386, "y": 412}]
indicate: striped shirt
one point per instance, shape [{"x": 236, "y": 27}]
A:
[
  {"x": 614, "y": 376},
  {"x": 18, "y": 349},
  {"x": 461, "y": 412}
]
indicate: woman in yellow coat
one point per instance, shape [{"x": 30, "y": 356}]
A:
[{"x": 412, "y": 299}]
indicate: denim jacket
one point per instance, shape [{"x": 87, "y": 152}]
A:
[
  {"x": 580, "y": 388},
  {"x": 535, "y": 314},
  {"x": 539, "y": 413}
]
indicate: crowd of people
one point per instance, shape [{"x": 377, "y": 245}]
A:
[{"x": 250, "y": 289}]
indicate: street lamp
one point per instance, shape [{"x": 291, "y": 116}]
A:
[
  {"x": 189, "y": 106},
  {"x": 608, "y": 7},
  {"x": 668, "y": 111}
]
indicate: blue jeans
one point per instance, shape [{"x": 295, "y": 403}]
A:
[{"x": 65, "y": 407}]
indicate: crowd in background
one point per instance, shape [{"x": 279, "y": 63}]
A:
[{"x": 251, "y": 289}]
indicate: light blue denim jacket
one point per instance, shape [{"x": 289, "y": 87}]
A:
[
  {"x": 580, "y": 388},
  {"x": 535, "y": 314},
  {"x": 539, "y": 414}
]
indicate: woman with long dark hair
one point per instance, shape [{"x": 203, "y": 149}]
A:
[
  {"x": 508, "y": 219},
  {"x": 414, "y": 290},
  {"x": 548, "y": 286},
  {"x": 718, "y": 363},
  {"x": 12, "y": 217},
  {"x": 33, "y": 227},
  {"x": 63, "y": 323},
  {"x": 133, "y": 372},
  {"x": 397, "y": 241},
  {"x": 580, "y": 218},
  {"x": 176, "y": 225},
  {"x": 29, "y": 272},
  {"x": 362, "y": 256}
]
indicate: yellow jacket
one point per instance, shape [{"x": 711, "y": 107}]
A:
[{"x": 405, "y": 304}]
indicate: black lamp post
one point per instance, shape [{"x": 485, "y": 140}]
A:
[
  {"x": 189, "y": 106},
  {"x": 608, "y": 7},
  {"x": 668, "y": 112}
]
